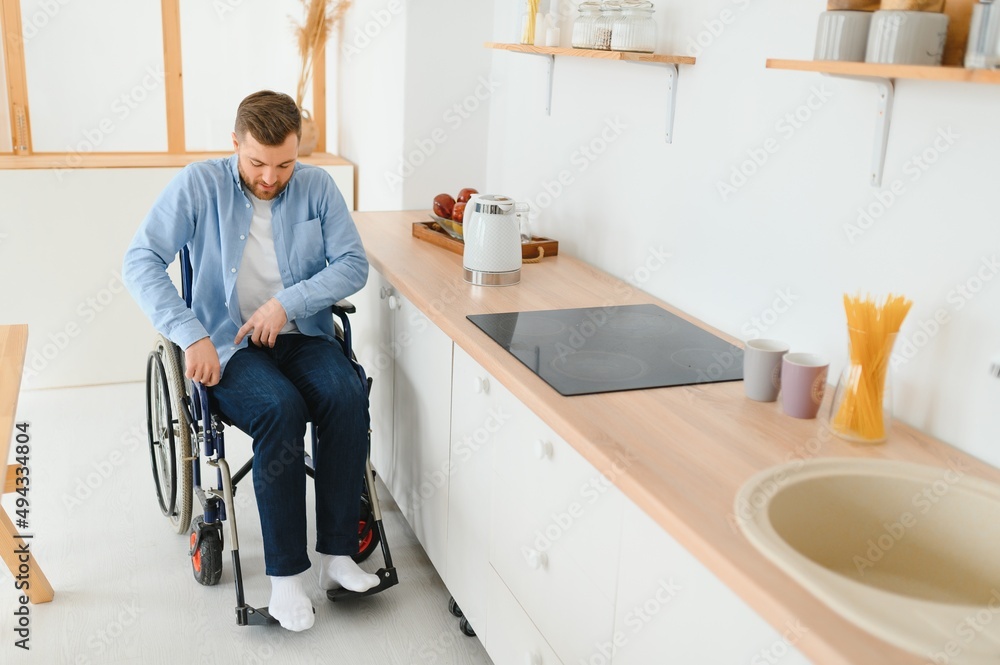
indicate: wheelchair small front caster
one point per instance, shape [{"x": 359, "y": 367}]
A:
[
  {"x": 466, "y": 627},
  {"x": 454, "y": 608},
  {"x": 206, "y": 554}
]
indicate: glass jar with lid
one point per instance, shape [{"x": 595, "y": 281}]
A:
[
  {"x": 610, "y": 12},
  {"x": 585, "y": 25},
  {"x": 635, "y": 29}
]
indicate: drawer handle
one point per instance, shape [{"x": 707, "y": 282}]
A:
[
  {"x": 482, "y": 385},
  {"x": 384, "y": 293},
  {"x": 543, "y": 449},
  {"x": 536, "y": 560},
  {"x": 393, "y": 303},
  {"x": 532, "y": 659}
]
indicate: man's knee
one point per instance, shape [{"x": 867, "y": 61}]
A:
[{"x": 285, "y": 409}]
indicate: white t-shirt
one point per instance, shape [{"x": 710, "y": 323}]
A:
[{"x": 259, "y": 278}]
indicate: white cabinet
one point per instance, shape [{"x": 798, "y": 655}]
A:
[
  {"x": 555, "y": 533},
  {"x": 409, "y": 360},
  {"x": 481, "y": 411},
  {"x": 513, "y": 638},
  {"x": 374, "y": 347},
  {"x": 671, "y": 609},
  {"x": 421, "y": 408}
]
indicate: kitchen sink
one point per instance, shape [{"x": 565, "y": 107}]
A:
[{"x": 910, "y": 553}]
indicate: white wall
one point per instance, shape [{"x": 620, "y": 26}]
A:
[
  {"x": 787, "y": 229},
  {"x": 414, "y": 99},
  {"x": 95, "y": 76},
  {"x": 370, "y": 104},
  {"x": 63, "y": 235}
]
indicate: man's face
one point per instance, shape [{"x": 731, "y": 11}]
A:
[{"x": 266, "y": 169}]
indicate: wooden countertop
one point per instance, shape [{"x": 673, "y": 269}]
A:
[{"x": 691, "y": 447}]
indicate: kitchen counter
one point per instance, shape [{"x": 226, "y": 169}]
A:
[{"x": 688, "y": 449}]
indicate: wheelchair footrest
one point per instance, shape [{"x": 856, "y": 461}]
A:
[
  {"x": 251, "y": 616},
  {"x": 386, "y": 576}
]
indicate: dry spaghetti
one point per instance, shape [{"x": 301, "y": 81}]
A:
[{"x": 872, "y": 326}]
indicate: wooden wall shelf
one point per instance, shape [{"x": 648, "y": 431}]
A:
[
  {"x": 884, "y": 77},
  {"x": 872, "y": 70},
  {"x": 592, "y": 53},
  {"x": 550, "y": 52}
]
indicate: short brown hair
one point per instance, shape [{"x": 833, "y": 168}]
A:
[{"x": 269, "y": 117}]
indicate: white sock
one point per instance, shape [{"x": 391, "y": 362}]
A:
[
  {"x": 341, "y": 571},
  {"x": 290, "y": 604}
]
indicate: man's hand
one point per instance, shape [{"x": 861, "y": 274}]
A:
[
  {"x": 202, "y": 362},
  {"x": 265, "y": 323}
]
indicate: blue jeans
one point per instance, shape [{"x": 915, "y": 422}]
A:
[{"x": 270, "y": 394}]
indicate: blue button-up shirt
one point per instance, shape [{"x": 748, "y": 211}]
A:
[{"x": 204, "y": 207}]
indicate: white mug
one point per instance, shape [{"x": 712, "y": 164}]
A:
[
  {"x": 907, "y": 38},
  {"x": 842, "y": 35}
]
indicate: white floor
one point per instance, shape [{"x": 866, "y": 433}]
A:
[{"x": 124, "y": 590}]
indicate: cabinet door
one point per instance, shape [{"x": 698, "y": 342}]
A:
[
  {"x": 670, "y": 608},
  {"x": 478, "y": 414},
  {"x": 421, "y": 427},
  {"x": 373, "y": 336},
  {"x": 555, "y": 535}
]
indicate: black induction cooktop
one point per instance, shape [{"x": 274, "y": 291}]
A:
[{"x": 607, "y": 349}]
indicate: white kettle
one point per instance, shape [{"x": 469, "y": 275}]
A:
[{"x": 492, "y": 236}]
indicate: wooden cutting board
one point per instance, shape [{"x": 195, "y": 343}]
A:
[{"x": 433, "y": 234}]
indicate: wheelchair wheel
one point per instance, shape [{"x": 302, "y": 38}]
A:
[
  {"x": 368, "y": 536},
  {"x": 206, "y": 559},
  {"x": 169, "y": 434}
]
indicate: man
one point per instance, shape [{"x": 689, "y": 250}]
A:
[{"x": 273, "y": 246}]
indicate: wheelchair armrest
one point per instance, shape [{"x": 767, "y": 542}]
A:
[{"x": 344, "y": 306}]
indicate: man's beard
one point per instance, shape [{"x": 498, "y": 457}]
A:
[{"x": 257, "y": 191}]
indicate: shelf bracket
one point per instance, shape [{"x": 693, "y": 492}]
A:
[
  {"x": 550, "y": 68},
  {"x": 886, "y": 94},
  {"x": 673, "y": 76}
]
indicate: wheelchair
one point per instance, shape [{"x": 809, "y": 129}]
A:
[{"x": 184, "y": 430}]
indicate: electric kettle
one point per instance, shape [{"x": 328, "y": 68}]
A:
[{"x": 492, "y": 236}]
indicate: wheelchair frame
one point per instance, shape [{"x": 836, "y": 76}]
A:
[{"x": 190, "y": 417}]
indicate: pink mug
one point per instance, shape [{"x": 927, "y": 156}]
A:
[{"x": 803, "y": 383}]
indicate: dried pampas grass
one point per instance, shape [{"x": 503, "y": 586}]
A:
[{"x": 321, "y": 17}]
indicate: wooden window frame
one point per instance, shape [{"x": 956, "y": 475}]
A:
[{"x": 23, "y": 156}]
